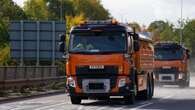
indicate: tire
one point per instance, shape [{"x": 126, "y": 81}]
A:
[
  {"x": 147, "y": 94},
  {"x": 75, "y": 100},
  {"x": 130, "y": 99},
  {"x": 184, "y": 84},
  {"x": 151, "y": 86},
  {"x": 188, "y": 84}
]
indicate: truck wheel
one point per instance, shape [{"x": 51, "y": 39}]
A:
[
  {"x": 75, "y": 100},
  {"x": 182, "y": 84},
  {"x": 188, "y": 84},
  {"x": 146, "y": 94},
  {"x": 130, "y": 99},
  {"x": 151, "y": 86}
]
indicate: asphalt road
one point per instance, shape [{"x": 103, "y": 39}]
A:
[{"x": 166, "y": 98}]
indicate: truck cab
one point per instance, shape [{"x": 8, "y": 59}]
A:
[
  {"x": 104, "y": 60},
  {"x": 171, "y": 64}
]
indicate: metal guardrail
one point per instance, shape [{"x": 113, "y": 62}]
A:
[{"x": 21, "y": 76}]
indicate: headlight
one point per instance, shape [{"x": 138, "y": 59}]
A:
[
  {"x": 120, "y": 70},
  {"x": 181, "y": 75},
  {"x": 71, "y": 82},
  {"x": 122, "y": 82}
]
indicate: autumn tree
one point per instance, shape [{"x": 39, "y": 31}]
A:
[
  {"x": 135, "y": 25},
  {"x": 10, "y": 11},
  {"x": 92, "y": 9},
  {"x": 36, "y": 9}
]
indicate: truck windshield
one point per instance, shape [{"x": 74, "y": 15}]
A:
[
  {"x": 168, "y": 54},
  {"x": 98, "y": 42}
]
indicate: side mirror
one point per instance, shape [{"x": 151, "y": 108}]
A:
[
  {"x": 62, "y": 43},
  {"x": 62, "y": 37},
  {"x": 136, "y": 42},
  {"x": 188, "y": 53},
  {"x": 136, "y": 45},
  {"x": 62, "y": 47}
]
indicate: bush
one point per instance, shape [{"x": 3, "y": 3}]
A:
[{"x": 4, "y": 36}]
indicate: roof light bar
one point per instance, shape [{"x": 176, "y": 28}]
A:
[{"x": 91, "y": 22}]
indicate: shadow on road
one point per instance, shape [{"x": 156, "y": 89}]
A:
[
  {"x": 156, "y": 104},
  {"x": 172, "y": 104},
  {"x": 173, "y": 87},
  {"x": 117, "y": 103}
]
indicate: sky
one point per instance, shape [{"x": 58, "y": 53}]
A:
[{"x": 146, "y": 11}]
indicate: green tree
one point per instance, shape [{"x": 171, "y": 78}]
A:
[
  {"x": 60, "y": 8},
  {"x": 163, "y": 31},
  {"x": 189, "y": 35},
  {"x": 3, "y": 34},
  {"x": 36, "y": 9},
  {"x": 135, "y": 25},
  {"x": 10, "y": 11},
  {"x": 92, "y": 9}
]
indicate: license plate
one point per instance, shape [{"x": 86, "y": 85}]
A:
[
  {"x": 166, "y": 78},
  {"x": 96, "y": 86}
]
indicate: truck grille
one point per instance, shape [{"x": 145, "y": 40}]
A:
[
  {"x": 166, "y": 70},
  {"x": 107, "y": 70},
  {"x": 96, "y": 85}
]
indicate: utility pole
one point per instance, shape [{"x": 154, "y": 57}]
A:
[
  {"x": 61, "y": 10},
  {"x": 181, "y": 24}
]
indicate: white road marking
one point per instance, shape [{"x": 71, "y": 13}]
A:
[
  {"x": 47, "y": 107},
  {"x": 118, "y": 108},
  {"x": 141, "y": 106},
  {"x": 164, "y": 98},
  {"x": 90, "y": 108},
  {"x": 80, "y": 107},
  {"x": 101, "y": 108},
  {"x": 145, "y": 104}
]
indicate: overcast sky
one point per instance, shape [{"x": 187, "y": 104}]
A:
[{"x": 146, "y": 11}]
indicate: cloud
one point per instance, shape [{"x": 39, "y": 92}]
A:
[
  {"x": 146, "y": 11},
  {"x": 19, "y": 2}
]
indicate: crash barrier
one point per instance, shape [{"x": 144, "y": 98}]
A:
[{"x": 25, "y": 76}]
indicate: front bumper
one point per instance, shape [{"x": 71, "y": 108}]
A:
[
  {"x": 98, "y": 95},
  {"x": 122, "y": 91},
  {"x": 177, "y": 82},
  {"x": 174, "y": 79}
]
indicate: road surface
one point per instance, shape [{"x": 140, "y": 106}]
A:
[{"x": 165, "y": 98}]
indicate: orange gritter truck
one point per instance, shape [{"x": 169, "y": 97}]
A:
[
  {"x": 107, "y": 59},
  {"x": 171, "y": 64}
]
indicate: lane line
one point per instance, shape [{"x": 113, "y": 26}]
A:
[
  {"x": 101, "y": 108},
  {"x": 141, "y": 106},
  {"x": 80, "y": 107},
  {"x": 119, "y": 108},
  {"x": 164, "y": 98},
  {"x": 145, "y": 104},
  {"x": 47, "y": 107}
]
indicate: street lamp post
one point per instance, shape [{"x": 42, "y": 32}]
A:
[
  {"x": 181, "y": 24},
  {"x": 61, "y": 10}
]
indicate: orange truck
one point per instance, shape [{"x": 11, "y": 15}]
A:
[
  {"x": 107, "y": 59},
  {"x": 171, "y": 64}
]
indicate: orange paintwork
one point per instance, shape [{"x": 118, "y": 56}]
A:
[
  {"x": 181, "y": 64},
  {"x": 81, "y": 60},
  {"x": 143, "y": 61}
]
